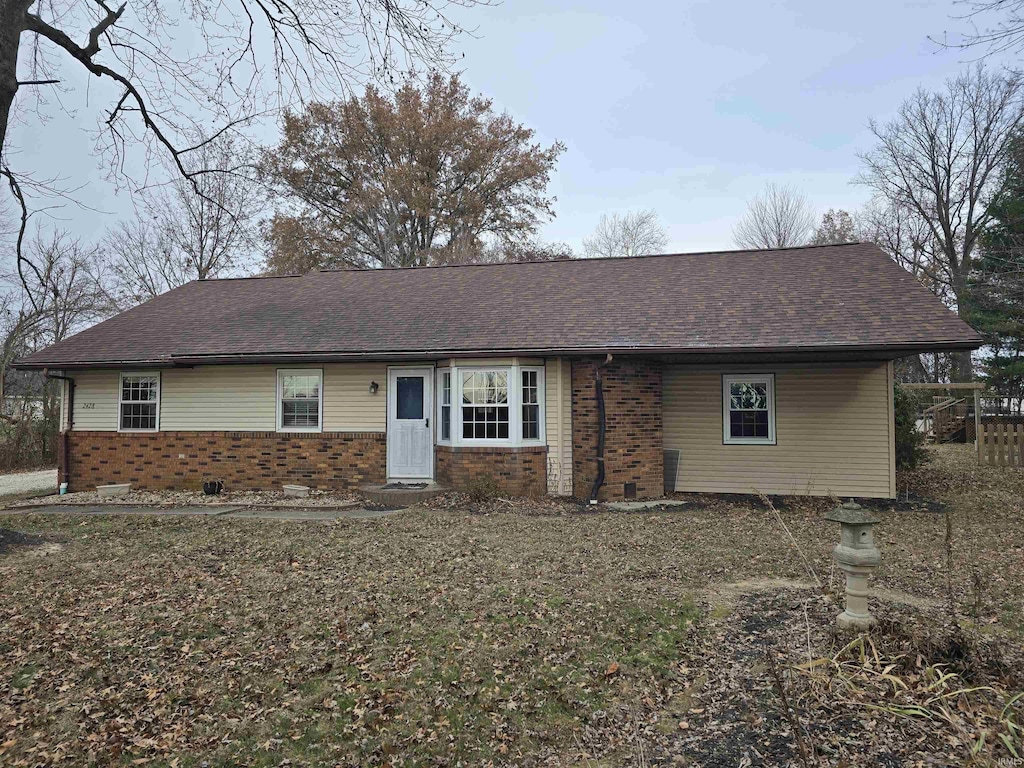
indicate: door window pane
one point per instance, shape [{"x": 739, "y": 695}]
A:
[{"x": 410, "y": 397}]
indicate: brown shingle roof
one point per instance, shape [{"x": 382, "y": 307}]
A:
[{"x": 816, "y": 298}]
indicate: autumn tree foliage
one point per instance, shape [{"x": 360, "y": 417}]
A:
[
  {"x": 836, "y": 226},
  {"x": 427, "y": 175}
]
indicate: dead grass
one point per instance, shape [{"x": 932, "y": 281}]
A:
[
  {"x": 197, "y": 498},
  {"x": 448, "y": 636}
]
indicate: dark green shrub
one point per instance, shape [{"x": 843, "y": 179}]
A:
[{"x": 910, "y": 450}]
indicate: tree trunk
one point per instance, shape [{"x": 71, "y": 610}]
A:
[
  {"x": 12, "y": 24},
  {"x": 963, "y": 367}
]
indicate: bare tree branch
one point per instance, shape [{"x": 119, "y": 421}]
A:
[
  {"x": 779, "y": 217},
  {"x": 167, "y": 92},
  {"x": 938, "y": 163},
  {"x": 1001, "y": 27},
  {"x": 19, "y": 252},
  {"x": 636, "y": 233}
]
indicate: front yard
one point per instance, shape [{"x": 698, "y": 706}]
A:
[{"x": 485, "y": 633}]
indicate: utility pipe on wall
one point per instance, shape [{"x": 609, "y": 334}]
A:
[
  {"x": 65, "y": 445},
  {"x": 599, "y": 397}
]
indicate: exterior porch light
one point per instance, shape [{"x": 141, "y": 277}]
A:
[
  {"x": 857, "y": 556},
  {"x": 374, "y": 386}
]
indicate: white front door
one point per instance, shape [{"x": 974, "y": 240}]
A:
[{"x": 410, "y": 435}]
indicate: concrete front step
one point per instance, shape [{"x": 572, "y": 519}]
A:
[{"x": 401, "y": 497}]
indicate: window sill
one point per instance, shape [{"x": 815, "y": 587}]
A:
[
  {"x": 498, "y": 448},
  {"x": 750, "y": 441}
]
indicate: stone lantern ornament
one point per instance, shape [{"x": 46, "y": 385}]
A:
[{"x": 857, "y": 556}]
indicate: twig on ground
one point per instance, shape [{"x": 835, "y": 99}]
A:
[
  {"x": 794, "y": 721},
  {"x": 796, "y": 546},
  {"x": 948, "y": 544}
]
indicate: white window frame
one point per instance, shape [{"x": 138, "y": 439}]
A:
[
  {"x": 120, "y": 401},
  {"x": 281, "y": 373},
  {"x": 747, "y": 378},
  {"x": 541, "y": 397},
  {"x": 440, "y": 373},
  {"x": 515, "y": 406}
]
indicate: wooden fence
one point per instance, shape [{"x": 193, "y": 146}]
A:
[{"x": 1001, "y": 445}]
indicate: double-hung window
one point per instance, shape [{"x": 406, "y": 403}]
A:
[
  {"x": 531, "y": 403},
  {"x": 501, "y": 405},
  {"x": 485, "y": 406},
  {"x": 299, "y": 400},
  {"x": 445, "y": 390},
  {"x": 748, "y": 403},
  {"x": 138, "y": 403}
]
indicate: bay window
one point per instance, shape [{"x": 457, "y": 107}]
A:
[{"x": 499, "y": 405}]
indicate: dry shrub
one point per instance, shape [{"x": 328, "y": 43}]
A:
[
  {"x": 482, "y": 488},
  {"x": 27, "y": 444},
  {"x": 935, "y": 680}
]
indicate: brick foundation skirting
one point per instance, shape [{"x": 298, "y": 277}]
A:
[
  {"x": 633, "y": 428},
  {"x": 244, "y": 460},
  {"x": 515, "y": 471}
]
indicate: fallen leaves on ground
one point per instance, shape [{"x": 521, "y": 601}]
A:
[
  {"x": 198, "y": 498},
  {"x": 472, "y": 633}
]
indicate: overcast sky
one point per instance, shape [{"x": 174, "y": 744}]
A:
[{"x": 688, "y": 108}]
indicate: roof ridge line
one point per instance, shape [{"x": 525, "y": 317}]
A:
[
  {"x": 249, "y": 277},
  {"x": 587, "y": 258}
]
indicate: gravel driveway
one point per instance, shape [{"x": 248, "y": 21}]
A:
[{"x": 28, "y": 482}]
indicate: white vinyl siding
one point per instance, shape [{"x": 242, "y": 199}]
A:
[
  {"x": 95, "y": 405},
  {"x": 832, "y": 429},
  {"x": 221, "y": 398},
  {"x": 348, "y": 404},
  {"x": 236, "y": 398},
  {"x": 558, "y": 408}
]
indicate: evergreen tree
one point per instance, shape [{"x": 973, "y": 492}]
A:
[{"x": 996, "y": 307}]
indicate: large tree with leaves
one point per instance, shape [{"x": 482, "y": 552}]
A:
[
  {"x": 996, "y": 305},
  {"x": 404, "y": 180}
]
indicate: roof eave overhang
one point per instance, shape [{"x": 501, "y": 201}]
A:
[{"x": 823, "y": 353}]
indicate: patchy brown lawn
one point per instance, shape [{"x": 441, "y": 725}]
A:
[{"x": 487, "y": 634}]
